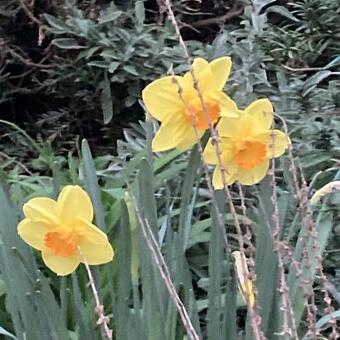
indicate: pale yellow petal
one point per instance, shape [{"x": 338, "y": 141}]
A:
[
  {"x": 85, "y": 229},
  {"x": 32, "y": 233},
  {"x": 254, "y": 175},
  {"x": 217, "y": 179},
  {"x": 61, "y": 265},
  {"x": 42, "y": 209},
  {"x": 225, "y": 148},
  {"x": 202, "y": 73},
  {"x": 96, "y": 253},
  {"x": 228, "y": 107},
  {"x": 209, "y": 154},
  {"x": 228, "y": 127},
  {"x": 220, "y": 70},
  {"x": 93, "y": 243},
  {"x": 74, "y": 202},
  {"x": 260, "y": 115},
  {"x": 174, "y": 133},
  {"x": 189, "y": 138},
  {"x": 276, "y": 141},
  {"x": 161, "y": 97}
]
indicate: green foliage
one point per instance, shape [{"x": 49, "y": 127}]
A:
[
  {"x": 134, "y": 315},
  {"x": 310, "y": 40}
]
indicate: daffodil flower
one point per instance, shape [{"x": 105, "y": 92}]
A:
[
  {"x": 182, "y": 113},
  {"x": 63, "y": 232},
  {"x": 247, "y": 143}
]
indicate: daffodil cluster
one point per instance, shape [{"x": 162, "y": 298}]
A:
[{"x": 187, "y": 106}]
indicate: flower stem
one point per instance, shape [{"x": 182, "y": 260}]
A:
[{"x": 102, "y": 319}]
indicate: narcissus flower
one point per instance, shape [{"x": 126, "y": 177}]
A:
[
  {"x": 247, "y": 143},
  {"x": 63, "y": 232},
  {"x": 181, "y": 114}
]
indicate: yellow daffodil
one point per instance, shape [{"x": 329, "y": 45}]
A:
[
  {"x": 63, "y": 232},
  {"x": 181, "y": 114},
  {"x": 244, "y": 284},
  {"x": 247, "y": 143}
]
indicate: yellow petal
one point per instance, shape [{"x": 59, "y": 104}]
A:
[
  {"x": 228, "y": 127},
  {"x": 209, "y": 153},
  {"x": 74, "y": 202},
  {"x": 174, "y": 133},
  {"x": 32, "y": 233},
  {"x": 61, "y": 265},
  {"x": 276, "y": 141},
  {"x": 254, "y": 175},
  {"x": 189, "y": 138},
  {"x": 96, "y": 253},
  {"x": 218, "y": 180},
  {"x": 93, "y": 243},
  {"x": 202, "y": 73},
  {"x": 220, "y": 70},
  {"x": 227, "y": 106},
  {"x": 161, "y": 97},
  {"x": 42, "y": 209},
  {"x": 260, "y": 115}
]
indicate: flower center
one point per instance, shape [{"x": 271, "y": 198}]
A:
[
  {"x": 61, "y": 241},
  {"x": 199, "y": 118},
  {"x": 249, "y": 154}
]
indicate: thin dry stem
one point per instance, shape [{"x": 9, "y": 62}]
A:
[
  {"x": 163, "y": 269},
  {"x": 303, "y": 202},
  {"x": 288, "y": 314},
  {"x": 254, "y": 316},
  {"x": 102, "y": 319},
  {"x": 316, "y": 250}
]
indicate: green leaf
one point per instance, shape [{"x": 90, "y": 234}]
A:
[
  {"x": 123, "y": 263},
  {"x": 325, "y": 319},
  {"x": 106, "y": 100},
  {"x": 82, "y": 318},
  {"x": 266, "y": 263},
  {"x": 296, "y": 284},
  {"x": 67, "y": 44},
  {"x": 131, "y": 69},
  {"x": 29, "y": 296},
  {"x": 113, "y": 66},
  {"x": 109, "y": 17},
  {"x": 188, "y": 198},
  {"x": 6, "y": 333},
  {"x": 99, "y": 63},
  {"x": 92, "y": 186},
  {"x": 282, "y": 11},
  {"x": 216, "y": 256},
  {"x": 147, "y": 200},
  {"x": 57, "y": 24},
  {"x": 2, "y": 287},
  {"x": 140, "y": 12},
  {"x": 312, "y": 82},
  {"x": 334, "y": 62}
]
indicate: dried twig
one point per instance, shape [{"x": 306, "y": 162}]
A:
[
  {"x": 163, "y": 269},
  {"x": 254, "y": 316},
  {"x": 102, "y": 319},
  {"x": 233, "y": 13}
]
